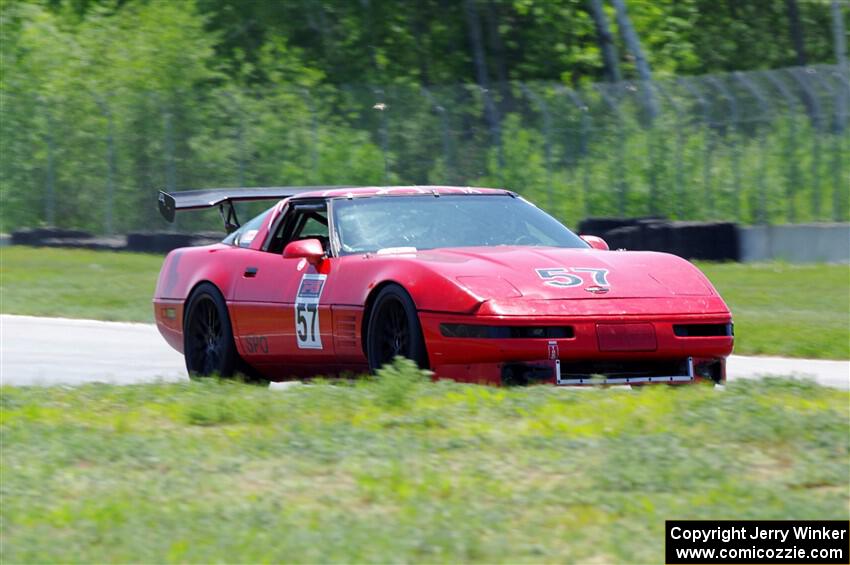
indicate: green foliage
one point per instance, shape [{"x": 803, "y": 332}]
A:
[
  {"x": 742, "y": 172},
  {"x": 519, "y": 162},
  {"x": 105, "y": 102},
  {"x": 397, "y": 381},
  {"x": 390, "y": 42},
  {"x": 75, "y": 85},
  {"x": 226, "y": 409},
  {"x": 217, "y": 471}
]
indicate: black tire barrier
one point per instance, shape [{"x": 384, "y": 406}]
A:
[
  {"x": 626, "y": 237},
  {"x": 92, "y": 243},
  {"x": 711, "y": 241},
  {"x": 207, "y": 237},
  {"x": 601, "y": 226},
  {"x": 158, "y": 242},
  {"x": 37, "y": 236}
]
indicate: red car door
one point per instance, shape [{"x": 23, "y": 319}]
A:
[{"x": 280, "y": 318}]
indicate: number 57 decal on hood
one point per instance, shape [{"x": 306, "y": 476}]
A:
[
  {"x": 561, "y": 277},
  {"x": 308, "y": 334}
]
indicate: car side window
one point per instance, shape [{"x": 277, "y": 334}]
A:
[
  {"x": 314, "y": 226},
  {"x": 302, "y": 221},
  {"x": 244, "y": 236}
]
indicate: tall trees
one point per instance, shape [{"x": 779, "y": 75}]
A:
[
  {"x": 630, "y": 37},
  {"x": 795, "y": 28},
  {"x": 605, "y": 39},
  {"x": 632, "y": 41},
  {"x": 126, "y": 96},
  {"x": 427, "y": 41},
  {"x": 840, "y": 35}
]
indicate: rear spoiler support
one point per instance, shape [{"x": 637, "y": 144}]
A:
[
  {"x": 231, "y": 222},
  {"x": 170, "y": 204}
]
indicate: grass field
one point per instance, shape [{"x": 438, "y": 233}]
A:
[
  {"x": 779, "y": 309},
  {"x": 399, "y": 469},
  {"x": 75, "y": 283},
  {"x": 789, "y": 310}
]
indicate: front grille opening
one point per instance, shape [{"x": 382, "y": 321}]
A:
[
  {"x": 524, "y": 374},
  {"x": 623, "y": 369},
  {"x": 506, "y": 332},
  {"x": 599, "y": 372},
  {"x": 703, "y": 330}
]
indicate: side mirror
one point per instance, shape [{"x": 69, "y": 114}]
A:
[
  {"x": 310, "y": 249},
  {"x": 595, "y": 242}
]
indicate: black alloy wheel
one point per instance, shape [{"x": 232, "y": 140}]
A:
[
  {"x": 208, "y": 336},
  {"x": 394, "y": 330}
]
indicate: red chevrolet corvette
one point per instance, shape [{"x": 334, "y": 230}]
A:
[{"x": 478, "y": 285}]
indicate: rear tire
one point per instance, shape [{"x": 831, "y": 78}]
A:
[
  {"x": 208, "y": 345},
  {"x": 394, "y": 330}
]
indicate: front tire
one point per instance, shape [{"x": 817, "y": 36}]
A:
[
  {"x": 394, "y": 330},
  {"x": 207, "y": 335}
]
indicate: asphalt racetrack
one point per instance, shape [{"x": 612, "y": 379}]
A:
[{"x": 50, "y": 351}]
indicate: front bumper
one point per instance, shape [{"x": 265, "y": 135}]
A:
[{"x": 622, "y": 349}]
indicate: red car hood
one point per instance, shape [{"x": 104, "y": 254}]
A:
[{"x": 547, "y": 273}]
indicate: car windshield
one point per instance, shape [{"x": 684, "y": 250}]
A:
[{"x": 366, "y": 225}]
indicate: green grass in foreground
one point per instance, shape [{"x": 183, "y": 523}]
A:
[
  {"x": 401, "y": 469},
  {"x": 779, "y": 309}
]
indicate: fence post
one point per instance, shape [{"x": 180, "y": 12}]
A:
[
  {"x": 708, "y": 146},
  {"x": 790, "y": 146},
  {"x": 314, "y": 134},
  {"x": 652, "y": 148},
  {"x": 622, "y": 186},
  {"x": 839, "y": 188},
  {"x": 50, "y": 177},
  {"x": 240, "y": 136},
  {"x": 736, "y": 163},
  {"x": 547, "y": 140},
  {"x": 168, "y": 155},
  {"x": 652, "y": 156},
  {"x": 381, "y": 107},
  {"x": 444, "y": 122},
  {"x": 495, "y": 122},
  {"x": 650, "y": 123},
  {"x": 817, "y": 123},
  {"x": 583, "y": 144},
  {"x": 764, "y": 106},
  {"x": 110, "y": 163},
  {"x": 170, "y": 175},
  {"x": 840, "y": 47},
  {"x": 678, "y": 182}
]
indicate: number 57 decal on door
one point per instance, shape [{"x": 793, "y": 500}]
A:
[{"x": 308, "y": 335}]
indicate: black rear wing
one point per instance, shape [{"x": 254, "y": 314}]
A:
[{"x": 170, "y": 204}]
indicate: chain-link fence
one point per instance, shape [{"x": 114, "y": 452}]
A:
[{"x": 756, "y": 147}]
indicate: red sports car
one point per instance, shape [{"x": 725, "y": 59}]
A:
[{"x": 478, "y": 285}]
